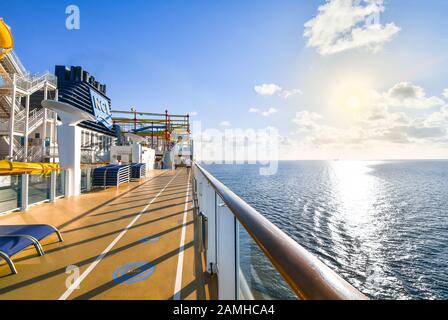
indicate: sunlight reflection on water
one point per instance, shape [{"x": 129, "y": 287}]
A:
[{"x": 381, "y": 225}]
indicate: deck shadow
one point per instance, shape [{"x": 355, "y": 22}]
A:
[
  {"x": 121, "y": 218},
  {"x": 61, "y": 270},
  {"x": 86, "y": 213},
  {"x": 161, "y": 208},
  {"x": 113, "y": 283},
  {"x": 181, "y": 197}
]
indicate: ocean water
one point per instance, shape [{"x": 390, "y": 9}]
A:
[{"x": 383, "y": 225}]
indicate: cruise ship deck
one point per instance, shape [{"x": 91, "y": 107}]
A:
[{"x": 137, "y": 241}]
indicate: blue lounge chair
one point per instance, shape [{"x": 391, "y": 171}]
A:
[
  {"x": 38, "y": 231},
  {"x": 11, "y": 245},
  {"x": 15, "y": 238}
]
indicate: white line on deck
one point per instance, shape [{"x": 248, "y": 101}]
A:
[
  {"x": 180, "y": 261},
  {"x": 110, "y": 246}
]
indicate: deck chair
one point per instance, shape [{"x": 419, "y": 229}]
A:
[
  {"x": 10, "y": 245},
  {"x": 30, "y": 232},
  {"x": 37, "y": 231}
]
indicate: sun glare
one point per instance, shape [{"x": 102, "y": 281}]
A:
[
  {"x": 350, "y": 96},
  {"x": 353, "y": 102}
]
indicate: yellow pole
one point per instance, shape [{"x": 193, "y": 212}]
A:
[{"x": 9, "y": 167}]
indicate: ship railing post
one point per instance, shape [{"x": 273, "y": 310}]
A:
[
  {"x": 89, "y": 179},
  {"x": 227, "y": 252},
  {"x": 24, "y": 184},
  {"x": 63, "y": 181},
  {"x": 53, "y": 185},
  {"x": 207, "y": 206},
  {"x": 68, "y": 183}
]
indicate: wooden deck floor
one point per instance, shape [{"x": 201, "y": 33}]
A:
[{"x": 122, "y": 243}]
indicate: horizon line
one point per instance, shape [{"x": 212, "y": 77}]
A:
[{"x": 270, "y": 160}]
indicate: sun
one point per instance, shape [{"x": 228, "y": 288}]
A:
[{"x": 353, "y": 102}]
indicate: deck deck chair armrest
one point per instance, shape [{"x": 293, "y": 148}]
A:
[
  {"x": 58, "y": 233},
  {"x": 9, "y": 262},
  {"x": 36, "y": 243}
]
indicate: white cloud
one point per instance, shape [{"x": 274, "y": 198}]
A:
[
  {"x": 272, "y": 89},
  {"x": 307, "y": 120},
  {"x": 438, "y": 119},
  {"x": 286, "y": 94},
  {"x": 408, "y": 95},
  {"x": 367, "y": 131},
  {"x": 269, "y": 112},
  {"x": 193, "y": 114},
  {"x": 445, "y": 93},
  {"x": 225, "y": 124},
  {"x": 342, "y": 25},
  {"x": 254, "y": 110},
  {"x": 379, "y": 124},
  {"x": 265, "y": 113},
  {"x": 267, "y": 89}
]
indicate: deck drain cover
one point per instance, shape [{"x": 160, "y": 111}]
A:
[
  {"x": 149, "y": 239},
  {"x": 133, "y": 272}
]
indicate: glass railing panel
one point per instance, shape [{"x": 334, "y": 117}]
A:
[
  {"x": 9, "y": 193},
  {"x": 83, "y": 180},
  {"x": 39, "y": 188},
  {"x": 60, "y": 184},
  {"x": 257, "y": 277},
  {"x": 86, "y": 182}
]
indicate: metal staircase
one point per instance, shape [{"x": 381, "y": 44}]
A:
[
  {"x": 19, "y": 150},
  {"x": 5, "y": 113},
  {"x": 16, "y": 81},
  {"x": 35, "y": 154},
  {"x": 35, "y": 119},
  {"x": 12, "y": 65}
]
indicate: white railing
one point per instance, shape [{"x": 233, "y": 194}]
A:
[
  {"x": 50, "y": 115},
  {"x": 36, "y": 113},
  {"x": 24, "y": 80},
  {"x": 52, "y": 151},
  {"x": 36, "y": 117},
  {"x": 19, "y": 121},
  {"x": 19, "y": 154},
  {"x": 4, "y": 125},
  {"x": 35, "y": 154},
  {"x": 17, "y": 64},
  {"x": 8, "y": 101},
  {"x": 31, "y": 83}
]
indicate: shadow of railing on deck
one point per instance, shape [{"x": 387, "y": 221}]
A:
[
  {"x": 146, "y": 199},
  {"x": 161, "y": 208},
  {"x": 121, "y": 218},
  {"x": 157, "y": 189},
  {"x": 113, "y": 283},
  {"x": 149, "y": 192},
  {"x": 81, "y": 263},
  {"x": 112, "y": 233},
  {"x": 201, "y": 276},
  {"x": 65, "y": 224}
]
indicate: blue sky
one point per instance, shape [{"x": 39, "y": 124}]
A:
[{"x": 208, "y": 57}]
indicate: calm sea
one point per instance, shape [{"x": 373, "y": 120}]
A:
[{"x": 383, "y": 225}]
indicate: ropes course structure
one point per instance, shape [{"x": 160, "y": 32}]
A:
[{"x": 160, "y": 130}]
